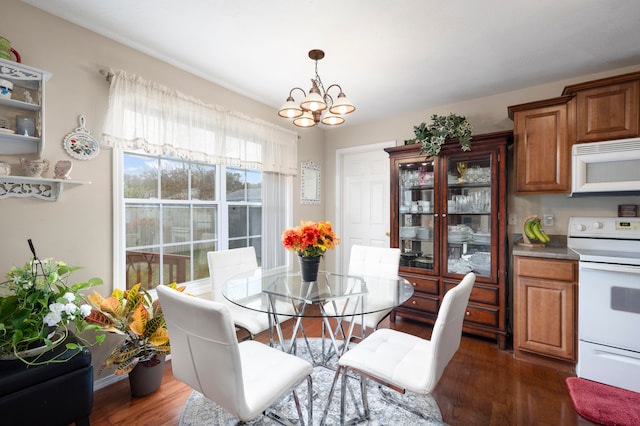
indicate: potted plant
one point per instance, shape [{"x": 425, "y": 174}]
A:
[
  {"x": 310, "y": 241},
  {"x": 38, "y": 307},
  {"x": 133, "y": 314},
  {"x": 443, "y": 127}
]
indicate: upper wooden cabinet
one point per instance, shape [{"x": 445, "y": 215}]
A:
[
  {"x": 607, "y": 109},
  {"x": 542, "y": 148}
]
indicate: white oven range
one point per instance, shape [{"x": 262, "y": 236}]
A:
[{"x": 608, "y": 299}]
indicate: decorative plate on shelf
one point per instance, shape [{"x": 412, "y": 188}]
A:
[
  {"x": 9, "y": 131},
  {"x": 80, "y": 144}
]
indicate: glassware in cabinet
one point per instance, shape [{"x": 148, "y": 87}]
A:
[
  {"x": 469, "y": 202},
  {"x": 416, "y": 207}
]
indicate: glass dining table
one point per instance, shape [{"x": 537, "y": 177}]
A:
[{"x": 283, "y": 295}]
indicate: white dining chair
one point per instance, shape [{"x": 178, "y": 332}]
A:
[
  {"x": 224, "y": 264},
  {"x": 374, "y": 264},
  {"x": 404, "y": 362},
  {"x": 244, "y": 378}
]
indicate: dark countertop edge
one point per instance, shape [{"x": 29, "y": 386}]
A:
[{"x": 556, "y": 249}]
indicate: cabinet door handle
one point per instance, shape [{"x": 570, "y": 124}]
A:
[
  {"x": 444, "y": 215},
  {"x": 468, "y": 313},
  {"x": 413, "y": 302}
]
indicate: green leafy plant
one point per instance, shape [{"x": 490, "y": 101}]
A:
[
  {"x": 37, "y": 303},
  {"x": 140, "y": 319},
  {"x": 433, "y": 136}
]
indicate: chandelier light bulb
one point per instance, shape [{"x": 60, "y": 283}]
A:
[
  {"x": 305, "y": 120},
  {"x": 331, "y": 119}
]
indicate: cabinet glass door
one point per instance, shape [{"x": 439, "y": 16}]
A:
[
  {"x": 416, "y": 206},
  {"x": 469, "y": 205}
]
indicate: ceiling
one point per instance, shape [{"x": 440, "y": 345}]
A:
[{"x": 390, "y": 57}]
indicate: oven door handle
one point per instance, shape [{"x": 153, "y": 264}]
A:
[{"x": 610, "y": 267}]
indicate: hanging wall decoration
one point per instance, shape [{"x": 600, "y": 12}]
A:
[
  {"x": 80, "y": 143},
  {"x": 310, "y": 183}
]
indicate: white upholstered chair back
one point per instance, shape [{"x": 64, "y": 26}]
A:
[
  {"x": 447, "y": 330},
  {"x": 204, "y": 348},
  {"x": 375, "y": 261},
  {"x": 224, "y": 264}
]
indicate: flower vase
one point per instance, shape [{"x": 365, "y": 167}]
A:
[{"x": 309, "y": 267}]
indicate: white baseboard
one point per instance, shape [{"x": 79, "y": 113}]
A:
[{"x": 106, "y": 381}]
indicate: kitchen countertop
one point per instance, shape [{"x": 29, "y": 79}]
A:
[{"x": 555, "y": 249}]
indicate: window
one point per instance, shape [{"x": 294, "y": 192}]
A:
[
  {"x": 173, "y": 216},
  {"x": 209, "y": 179}
]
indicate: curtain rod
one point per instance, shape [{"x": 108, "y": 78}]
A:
[{"x": 108, "y": 75}]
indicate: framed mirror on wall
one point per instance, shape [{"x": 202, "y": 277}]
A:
[{"x": 309, "y": 183}]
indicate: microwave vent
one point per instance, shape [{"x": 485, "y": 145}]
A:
[{"x": 624, "y": 145}]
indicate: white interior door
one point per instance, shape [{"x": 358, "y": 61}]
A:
[{"x": 363, "y": 199}]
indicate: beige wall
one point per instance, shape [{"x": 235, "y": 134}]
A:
[{"x": 78, "y": 227}]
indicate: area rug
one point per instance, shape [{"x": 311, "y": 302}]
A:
[
  {"x": 604, "y": 404},
  {"x": 200, "y": 411}
]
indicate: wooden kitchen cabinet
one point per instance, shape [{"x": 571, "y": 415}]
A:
[
  {"x": 542, "y": 147},
  {"x": 545, "y": 310},
  {"x": 607, "y": 109},
  {"x": 448, "y": 217}
]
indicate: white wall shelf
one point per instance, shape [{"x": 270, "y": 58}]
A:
[{"x": 42, "y": 188}]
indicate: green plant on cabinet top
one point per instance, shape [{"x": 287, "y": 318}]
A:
[{"x": 433, "y": 136}]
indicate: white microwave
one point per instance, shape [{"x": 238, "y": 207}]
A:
[{"x": 602, "y": 168}]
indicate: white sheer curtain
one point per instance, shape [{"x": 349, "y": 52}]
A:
[
  {"x": 277, "y": 199},
  {"x": 147, "y": 116}
]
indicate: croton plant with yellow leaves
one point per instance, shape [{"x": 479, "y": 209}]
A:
[{"x": 134, "y": 314}]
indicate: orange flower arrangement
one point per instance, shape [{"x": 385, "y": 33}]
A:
[{"x": 310, "y": 239}]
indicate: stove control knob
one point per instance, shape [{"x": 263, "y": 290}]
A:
[
  {"x": 597, "y": 225},
  {"x": 580, "y": 227}
]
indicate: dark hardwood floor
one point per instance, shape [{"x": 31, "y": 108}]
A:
[{"x": 481, "y": 386}]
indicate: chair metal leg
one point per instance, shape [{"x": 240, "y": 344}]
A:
[
  {"x": 365, "y": 399},
  {"x": 310, "y": 403},
  {"x": 393, "y": 400},
  {"x": 343, "y": 395},
  {"x": 284, "y": 421}
]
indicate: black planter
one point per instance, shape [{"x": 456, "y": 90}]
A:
[{"x": 309, "y": 267}]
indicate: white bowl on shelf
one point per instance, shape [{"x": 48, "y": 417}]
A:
[
  {"x": 408, "y": 232},
  {"x": 425, "y": 233},
  {"x": 482, "y": 237}
]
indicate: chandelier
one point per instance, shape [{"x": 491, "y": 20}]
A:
[{"x": 318, "y": 106}]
